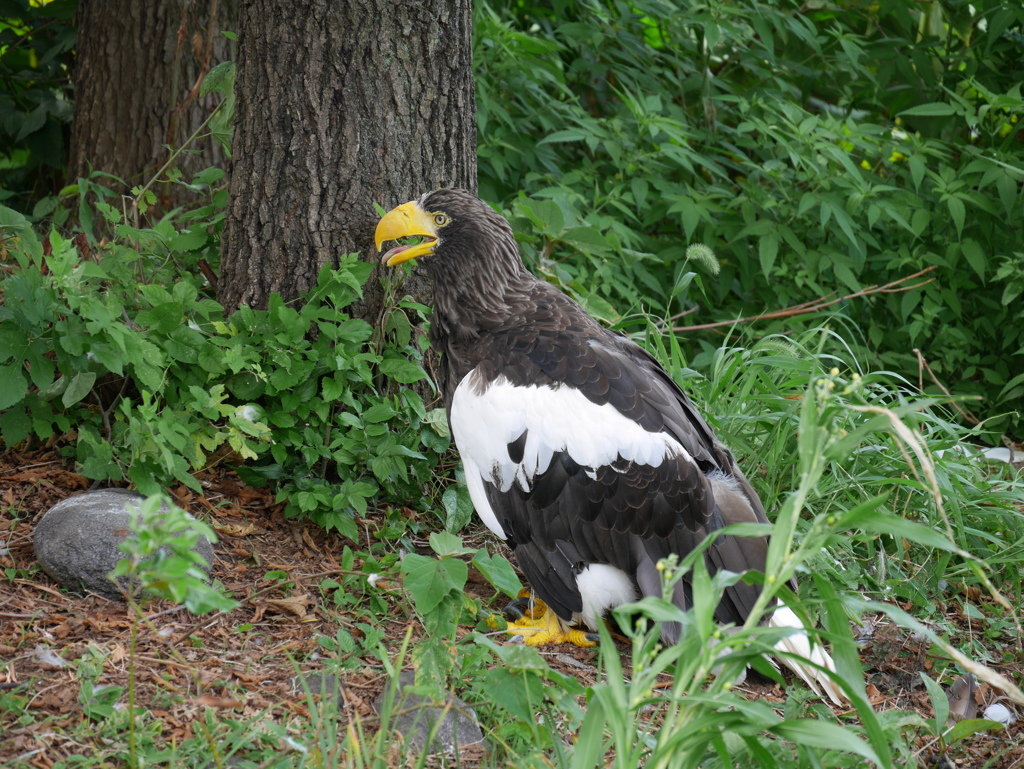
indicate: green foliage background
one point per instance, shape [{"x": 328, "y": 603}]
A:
[
  {"x": 817, "y": 148},
  {"x": 35, "y": 97}
]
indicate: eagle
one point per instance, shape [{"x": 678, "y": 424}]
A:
[{"x": 580, "y": 451}]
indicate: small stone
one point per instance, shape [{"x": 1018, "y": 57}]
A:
[
  {"x": 76, "y": 541},
  {"x": 414, "y": 717},
  {"x": 326, "y": 687}
]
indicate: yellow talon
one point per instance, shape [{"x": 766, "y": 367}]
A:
[
  {"x": 542, "y": 627},
  {"x": 535, "y": 608},
  {"x": 579, "y": 638}
]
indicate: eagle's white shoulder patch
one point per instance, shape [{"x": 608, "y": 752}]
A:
[{"x": 485, "y": 420}]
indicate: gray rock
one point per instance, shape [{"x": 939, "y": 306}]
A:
[
  {"x": 326, "y": 687},
  {"x": 414, "y": 717},
  {"x": 76, "y": 540}
]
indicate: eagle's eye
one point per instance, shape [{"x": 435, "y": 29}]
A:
[{"x": 440, "y": 219}]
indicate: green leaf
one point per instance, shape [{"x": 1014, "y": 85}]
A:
[
  {"x": 188, "y": 241},
  {"x": 401, "y": 369},
  {"x": 920, "y": 221},
  {"x": 768, "y": 249},
  {"x": 917, "y": 170},
  {"x": 380, "y": 412},
  {"x": 221, "y": 78},
  {"x": 499, "y": 572},
  {"x": 163, "y": 318},
  {"x": 80, "y": 386},
  {"x": 1013, "y": 289},
  {"x": 822, "y": 734},
  {"x": 13, "y": 385},
  {"x": 690, "y": 214},
  {"x": 971, "y": 726},
  {"x": 458, "y": 507},
  {"x": 845, "y": 275},
  {"x": 866, "y": 518},
  {"x": 1008, "y": 190},
  {"x": 940, "y": 703},
  {"x": 568, "y": 135},
  {"x": 546, "y": 214},
  {"x": 975, "y": 256},
  {"x": 15, "y": 426},
  {"x": 97, "y": 458},
  {"x": 959, "y": 213},
  {"x": 909, "y": 302},
  {"x": 1009, "y": 386},
  {"x": 932, "y": 109},
  {"x": 445, "y": 543},
  {"x": 587, "y": 239},
  {"x": 429, "y": 580},
  {"x": 591, "y": 746},
  {"x": 32, "y": 123},
  {"x": 522, "y": 691}
]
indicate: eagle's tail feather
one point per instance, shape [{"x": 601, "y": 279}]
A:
[{"x": 800, "y": 645}]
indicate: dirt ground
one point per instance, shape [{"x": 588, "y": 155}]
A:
[{"x": 43, "y": 628}]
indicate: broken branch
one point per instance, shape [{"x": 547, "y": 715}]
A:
[{"x": 817, "y": 305}]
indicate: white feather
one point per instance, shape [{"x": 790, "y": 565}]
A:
[
  {"x": 557, "y": 419},
  {"x": 602, "y": 587},
  {"x": 799, "y": 644},
  {"x": 475, "y": 487}
]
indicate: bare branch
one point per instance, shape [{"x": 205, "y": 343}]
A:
[
  {"x": 816, "y": 305},
  {"x": 922, "y": 366}
]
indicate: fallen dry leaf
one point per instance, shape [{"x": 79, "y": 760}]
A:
[
  {"x": 117, "y": 654},
  {"x": 296, "y": 605},
  {"x": 235, "y": 529},
  {"x": 209, "y": 701},
  {"x": 961, "y": 699},
  {"x": 875, "y": 697}
]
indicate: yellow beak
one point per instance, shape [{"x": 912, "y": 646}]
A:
[{"x": 408, "y": 220}]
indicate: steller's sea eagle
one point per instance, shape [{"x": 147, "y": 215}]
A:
[{"x": 579, "y": 450}]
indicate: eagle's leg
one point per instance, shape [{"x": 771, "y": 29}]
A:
[{"x": 539, "y": 626}]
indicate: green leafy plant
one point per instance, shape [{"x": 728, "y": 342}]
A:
[
  {"x": 800, "y": 144},
  {"x": 35, "y": 98},
  {"x": 157, "y": 382},
  {"x": 437, "y": 587},
  {"x": 161, "y": 562}
]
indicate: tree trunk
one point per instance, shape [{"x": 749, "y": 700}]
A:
[
  {"x": 340, "y": 104},
  {"x": 136, "y": 69}
]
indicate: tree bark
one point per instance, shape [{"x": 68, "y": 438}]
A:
[
  {"x": 136, "y": 67},
  {"x": 340, "y": 104}
]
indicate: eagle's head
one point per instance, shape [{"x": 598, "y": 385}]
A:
[{"x": 454, "y": 232}]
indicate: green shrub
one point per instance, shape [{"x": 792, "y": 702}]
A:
[
  {"x": 35, "y": 98},
  {"x": 126, "y": 351},
  {"x": 815, "y": 150}
]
